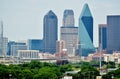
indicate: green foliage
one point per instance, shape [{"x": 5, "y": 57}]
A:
[{"x": 115, "y": 73}]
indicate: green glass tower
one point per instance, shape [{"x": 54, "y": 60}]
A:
[{"x": 86, "y": 32}]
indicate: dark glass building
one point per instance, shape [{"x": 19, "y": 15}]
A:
[
  {"x": 35, "y": 44},
  {"x": 86, "y": 32},
  {"x": 13, "y": 43},
  {"x": 103, "y": 36},
  {"x": 113, "y": 33},
  {"x": 50, "y": 32}
]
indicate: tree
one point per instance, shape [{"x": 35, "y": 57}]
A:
[{"x": 46, "y": 73}]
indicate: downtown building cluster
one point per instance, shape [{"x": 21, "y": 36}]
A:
[{"x": 74, "y": 40}]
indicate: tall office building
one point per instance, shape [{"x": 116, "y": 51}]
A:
[
  {"x": 68, "y": 18},
  {"x": 86, "y": 31},
  {"x": 103, "y": 36},
  {"x": 1, "y": 38},
  {"x": 35, "y": 44},
  {"x": 50, "y": 32},
  {"x": 69, "y": 33},
  {"x": 4, "y": 46},
  {"x": 113, "y": 33}
]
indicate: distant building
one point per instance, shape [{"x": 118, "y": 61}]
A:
[
  {"x": 60, "y": 46},
  {"x": 4, "y": 46},
  {"x": 103, "y": 36},
  {"x": 113, "y": 33},
  {"x": 69, "y": 33},
  {"x": 68, "y": 18},
  {"x": 28, "y": 54},
  {"x": 35, "y": 44},
  {"x": 50, "y": 32},
  {"x": 13, "y": 47},
  {"x": 86, "y": 31}
]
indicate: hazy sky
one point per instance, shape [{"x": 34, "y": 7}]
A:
[{"x": 23, "y": 19}]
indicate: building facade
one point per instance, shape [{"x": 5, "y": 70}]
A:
[
  {"x": 113, "y": 33},
  {"x": 69, "y": 33},
  {"x": 60, "y": 46},
  {"x": 70, "y": 36},
  {"x": 13, "y": 47},
  {"x": 103, "y": 36},
  {"x": 4, "y": 46},
  {"x": 50, "y": 32},
  {"x": 35, "y": 44},
  {"x": 68, "y": 18},
  {"x": 28, "y": 54},
  {"x": 86, "y": 31}
]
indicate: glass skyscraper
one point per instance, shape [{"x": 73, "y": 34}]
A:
[
  {"x": 86, "y": 31},
  {"x": 50, "y": 32},
  {"x": 113, "y": 33},
  {"x": 103, "y": 36}
]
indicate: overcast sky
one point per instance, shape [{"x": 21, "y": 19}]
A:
[{"x": 23, "y": 19}]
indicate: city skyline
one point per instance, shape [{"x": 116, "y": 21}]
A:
[{"x": 24, "y": 19}]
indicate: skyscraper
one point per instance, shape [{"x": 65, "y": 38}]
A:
[
  {"x": 113, "y": 33},
  {"x": 86, "y": 31},
  {"x": 50, "y": 32},
  {"x": 103, "y": 36},
  {"x": 68, "y": 18},
  {"x": 69, "y": 33},
  {"x": 1, "y": 38}
]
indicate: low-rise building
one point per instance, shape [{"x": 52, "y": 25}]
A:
[{"x": 28, "y": 54}]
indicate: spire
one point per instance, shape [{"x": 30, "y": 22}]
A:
[
  {"x": 50, "y": 13},
  {"x": 86, "y": 11}
]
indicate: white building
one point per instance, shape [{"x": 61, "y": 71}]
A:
[{"x": 28, "y": 54}]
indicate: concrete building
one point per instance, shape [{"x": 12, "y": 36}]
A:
[
  {"x": 60, "y": 46},
  {"x": 4, "y": 46},
  {"x": 68, "y": 18},
  {"x": 69, "y": 33},
  {"x": 28, "y": 54}
]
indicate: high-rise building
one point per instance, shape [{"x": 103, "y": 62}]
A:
[
  {"x": 3, "y": 42},
  {"x": 68, "y": 18},
  {"x": 35, "y": 44},
  {"x": 113, "y": 33},
  {"x": 69, "y": 33},
  {"x": 86, "y": 31},
  {"x": 1, "y": 38},
  {"x": 50, "y": 32},
  {"x": 103, "y": 36},
  {"x": 60, "y": 46},
  {"x": 4, "y": 46}
]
